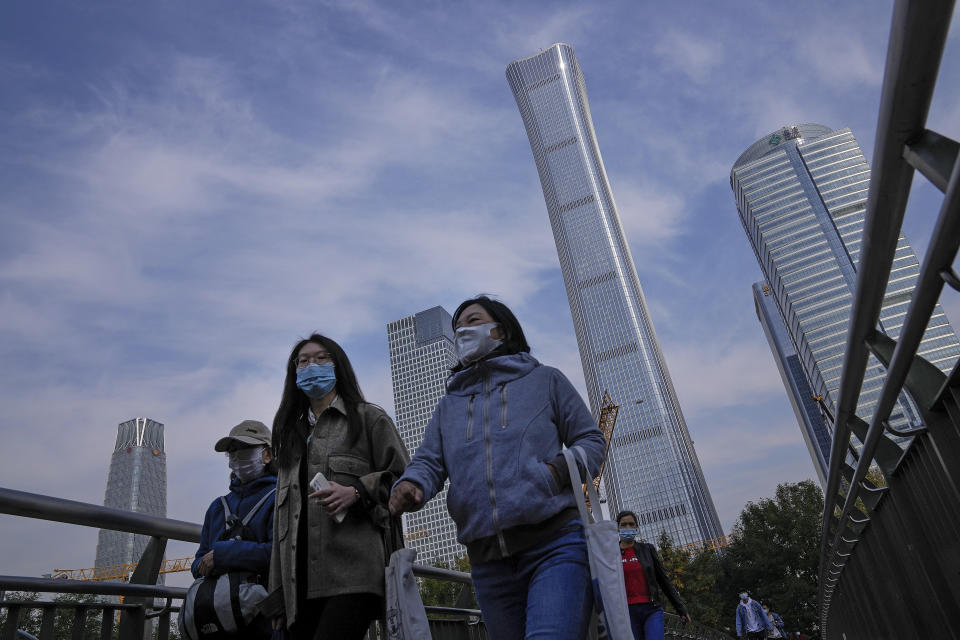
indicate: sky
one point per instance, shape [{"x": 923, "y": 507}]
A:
[{"x": 186, "y": 189}]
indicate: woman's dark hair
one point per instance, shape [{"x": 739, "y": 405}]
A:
[
  {"x": 513, "y": 339},
  {"x": 288, "y": 439},
  {"x": 623, "y": 514}
]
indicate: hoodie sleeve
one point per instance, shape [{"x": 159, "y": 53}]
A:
[
  {"x": 664, "y": 581},
  {"x": 206, "y": 537},
  {"x": 575, "y": 424},
  {"x": 428, "y": 469}
]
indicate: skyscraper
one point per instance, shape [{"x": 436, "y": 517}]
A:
[
  {"x": 652, "y": 467},
  {"x": 810, "y": 417},
  {"x": 137, "y": 482},
  {"x": 802, "y": 194},
  {"x": 421, "y": 355}
]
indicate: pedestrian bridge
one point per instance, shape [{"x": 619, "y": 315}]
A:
[
  {"x": 890, "y": 553},
  {"x": 147, "y": 608}
]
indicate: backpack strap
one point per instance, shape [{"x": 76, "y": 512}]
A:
[
  {"x": 229, "y": 520},
  {"x": 253, "y": 511}
]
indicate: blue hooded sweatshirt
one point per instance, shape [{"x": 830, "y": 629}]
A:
[
  {"x": 239, "y": 555},
  {"x": 501, "y": 421}
]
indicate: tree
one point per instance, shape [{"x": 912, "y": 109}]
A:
[
  {"x": 443, "y": 593},
  {"x": 775, "y": 554},
  {"x": 31, "y": 619},
  {"x": 695, "y": 575}
]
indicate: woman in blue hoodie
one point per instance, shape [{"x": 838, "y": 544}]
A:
[{"x": 498, "y": 436}]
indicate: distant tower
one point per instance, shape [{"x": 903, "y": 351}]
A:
[
  {"x": 801, "y": 192},
  {"x": 810, "y": 417},
  {"x": 652, "y": 467},
  {"x": 137, "y": 482},
  {"x": 421, "y": 355}
]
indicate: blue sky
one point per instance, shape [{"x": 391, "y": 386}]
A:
[{"x": 187, "y": 188}]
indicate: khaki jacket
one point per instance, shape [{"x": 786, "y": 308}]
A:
[{"x": 345, "y": 557}]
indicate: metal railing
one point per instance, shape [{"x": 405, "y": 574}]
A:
[
  {"x": 138, "y": 611},
  {"x": 890, "y": 555}
]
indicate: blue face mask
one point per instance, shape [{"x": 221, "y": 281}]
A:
[
  {"x": 628, "y": 535},
  {"x": 316, "y": 380}
]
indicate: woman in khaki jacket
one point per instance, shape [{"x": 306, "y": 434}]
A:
[{"x": 328, "y": 548}]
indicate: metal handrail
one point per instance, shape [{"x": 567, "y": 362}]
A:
[
  {"x": 918, "y": 34},
  {"x": 41, "y": 507},
  {"x": 60, "y": 585},
  {"x": 917, "y": 39}
]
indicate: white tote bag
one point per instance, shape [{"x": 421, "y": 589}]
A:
[
  {"x": 603, "y": 549},
  {"x": 406, "y": 617}
]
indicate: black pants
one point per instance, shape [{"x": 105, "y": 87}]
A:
[{"x": 337, "y": 617}]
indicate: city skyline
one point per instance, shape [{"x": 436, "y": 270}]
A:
[
  {"x": 421, "y": 356},
  {"x": 801, "y": 192},
  {"x": 652, "y": 467},
  {"x": 175, "y": 176}
]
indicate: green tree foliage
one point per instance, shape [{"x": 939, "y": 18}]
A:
[
  {"x": 443, "y": 593},
  {"x": 695, "y": 575},
  {"x": 31, "y": 619},
  {"x": 775, "y": 555}
]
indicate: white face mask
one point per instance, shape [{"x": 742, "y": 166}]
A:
[
  {"x": 247, "y": 464},
  {"x": 473, "y": 343}
]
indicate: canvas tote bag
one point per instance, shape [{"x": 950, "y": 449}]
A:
[
  {"x": 406, "y": 617},
  {"x": 603, "y": 549}
]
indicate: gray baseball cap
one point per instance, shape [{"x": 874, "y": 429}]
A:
[{"x": 247, "y": 433}]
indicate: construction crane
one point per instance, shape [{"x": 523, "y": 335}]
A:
[
  {"x": 121, "y": 572},
  {"x": 608, "y": 419}
]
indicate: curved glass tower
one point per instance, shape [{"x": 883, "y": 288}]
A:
[
  {"x": 801, "y": 192},
  {"x": 652, "y": 467}
]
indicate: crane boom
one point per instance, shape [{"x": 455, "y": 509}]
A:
[{"x": 120, "y": 572}]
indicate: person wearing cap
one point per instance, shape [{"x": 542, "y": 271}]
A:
[{"x": 252, "y": 484}]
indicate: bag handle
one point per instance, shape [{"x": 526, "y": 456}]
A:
[{"x": 575, "y": 480}]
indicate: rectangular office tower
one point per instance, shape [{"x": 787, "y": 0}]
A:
[
  {"x": 810, "y": 417},
  {"x": 802, "y": 195},
  {"x": 652, "y": 467},
  {"x": 421, "y": 356},
  {"x": 137, "y": 482}
]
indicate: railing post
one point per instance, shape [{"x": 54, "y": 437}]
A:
[
  {"x": 13, "y": 621},
  {"x": 133, "y": 622}
]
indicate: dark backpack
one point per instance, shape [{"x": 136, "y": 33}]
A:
[{"x": 218, "y": 607}]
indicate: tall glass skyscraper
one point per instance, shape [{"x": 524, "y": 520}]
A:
[
  {"x": 812, "y": 421},
  {"x": 137, "y": 482},
  {"x": 421, "y": 356},
  {"x": 802, "y": 195},
  {"x": 652, "y": 467}
]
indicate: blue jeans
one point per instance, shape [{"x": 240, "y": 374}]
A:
[
  {"x": 543, "y": 592},
  {"x": 646, "y": 620}
]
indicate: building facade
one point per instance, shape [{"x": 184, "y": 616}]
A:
[
  {"x": 421, "y": 356},
  {"x": 137, "y": 481},
  {"x": 812, "y": 419},
  {"x": 802, "y": 195},
  {"x": 652, "y": 467}
]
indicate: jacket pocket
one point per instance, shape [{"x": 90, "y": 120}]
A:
[
  {"x": 345, "y": 468},
  {"x": 283, "y": 513}
]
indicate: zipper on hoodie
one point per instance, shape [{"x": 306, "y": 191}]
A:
[
  {"x": 489, "y": 452},
  {"x": 470, "y": 418},
  {"x": 503, "y": 407}
]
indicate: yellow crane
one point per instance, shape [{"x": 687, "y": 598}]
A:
[
  {"x": 608, "y": 419},
  {"x": 121, "y": 572}
]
